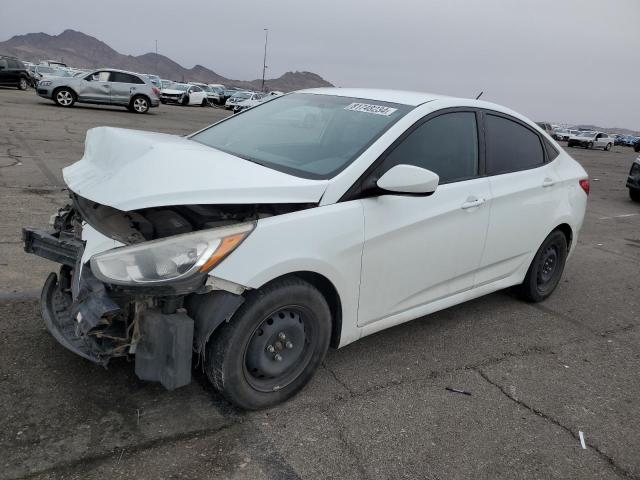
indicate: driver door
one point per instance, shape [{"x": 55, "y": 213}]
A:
[
  {"x": 95, "y": 88},
  {"x": 418, "y": 249}
]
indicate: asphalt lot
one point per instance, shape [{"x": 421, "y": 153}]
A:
[{"x": 538, "y": 374}]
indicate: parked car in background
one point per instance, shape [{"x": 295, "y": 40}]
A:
[
  {"x": 252, "y": 101},
  {"x": 591, "y": 140},
  {"x": 546, "y": 127},
  {"x": 245, "y": 245},
  {"x": 14, "y": 73},
  {"x": 630, "y": 140},
  {"x": 104, "y": 86},
  {"x": 166, "y": 83},
  {"x": 238, "y": 97},
  {"x": 636, "y": 145},
  {"x": 53, "y": 63},
  {"x": 184, "y": 94},
  {"x": 154, "y": 79},
  {"x": 229, "y": 92},
  {"x": 633, "y": 180},
  {"x": 43, "y": 72},
  {"x": 561, "y": 134},
  {"x": 213, "y": 97}
]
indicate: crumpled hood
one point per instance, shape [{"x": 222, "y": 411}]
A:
[
  {"x": 170, "y": 91},
  {"x": 131, "y": 169}
]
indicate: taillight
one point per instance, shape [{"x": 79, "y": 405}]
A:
[
  {"x": 585, "y": 185},
  {"x": 156, "y": 90}
]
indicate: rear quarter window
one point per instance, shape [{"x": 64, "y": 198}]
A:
[{"x": 511, "y": 146}]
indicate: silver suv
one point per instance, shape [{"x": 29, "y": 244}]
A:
[{"x": 104, "y": 86}]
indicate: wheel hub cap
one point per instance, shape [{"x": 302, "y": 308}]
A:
[
  {"x": 548, "y": 264},
  {"x": 277, "y": 346}
]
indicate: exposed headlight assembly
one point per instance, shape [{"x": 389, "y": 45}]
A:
[{"x": 169, "y": 259}]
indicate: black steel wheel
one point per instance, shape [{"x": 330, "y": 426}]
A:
[
  {"x": 546, "y": 268},
  {"x": 272, "y": 345}
]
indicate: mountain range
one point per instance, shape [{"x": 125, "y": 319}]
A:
[{"x": 80, "y": 50}]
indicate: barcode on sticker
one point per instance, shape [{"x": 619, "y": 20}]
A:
[{"x": 368, "y": 108}]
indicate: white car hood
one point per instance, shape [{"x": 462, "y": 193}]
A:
[
  {"x": 172, "y": 92},
  {"x": 131, "y": 169}
]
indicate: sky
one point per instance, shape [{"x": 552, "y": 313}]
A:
[{"x": 565, "y": 61}]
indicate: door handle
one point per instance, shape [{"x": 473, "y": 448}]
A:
[
  {"x": 472, "y": 202},
  {"x": 548, "y": 182}
]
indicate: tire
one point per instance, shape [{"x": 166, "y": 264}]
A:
[
  {"x": 570, "y": 144},
  {"x": 607, "y": 147},
  {"x": 546, "y": 269},
  {"x": 241, "y": 357},
  {"x": 205, "y": 103},
  {"x": 23, "y": 84},
  {"x": 139, "y": 104},
  {"x": 589, "y": 146},
  {"x": 634, "y": 194},
  {"x": 64, "y": 97},
  {"x": 636, "y": 147},
  {"x": 164, "y": 102},
  {"x": 185, "y": 100}
]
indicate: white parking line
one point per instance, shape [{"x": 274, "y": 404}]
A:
[{"x": 619, "y": 216}]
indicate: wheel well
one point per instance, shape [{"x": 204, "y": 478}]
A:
[
  {"x": 68, "y": 88},
  {"x": 329, "y": 292},
  {"x": 567, "y": 232},
  {"x": 140, "y": 95}
]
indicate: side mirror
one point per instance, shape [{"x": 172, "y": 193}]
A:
[{"x": 409, "y": 179}]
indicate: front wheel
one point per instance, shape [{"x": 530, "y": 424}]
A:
[
  {"x": 23, "y": 84},
  {"x": 272, "y": 346},
  {"x": 589, "y": 146},
  {"x": 64, "y": 97},
  {"x": 634, "y": 194},
  {"x": 546, "y": 268},
  {"x": 608, "y": 147},
  {"x": 139, "y": 104}
]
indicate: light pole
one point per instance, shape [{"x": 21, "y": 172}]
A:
[
  {"x": 264, "y": 62},
  {"x": 156, "y": 72}
]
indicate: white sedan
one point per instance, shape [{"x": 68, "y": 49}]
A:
[
  {"x": 591, "y": 140},
  {"x": 184, "y": 94},
  {"x": 309, "y": 221}
]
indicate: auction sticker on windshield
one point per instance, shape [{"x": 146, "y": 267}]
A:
[{"x": 368, "y": 108}]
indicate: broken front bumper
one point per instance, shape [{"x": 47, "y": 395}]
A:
[{"x": 99, "y": 322}]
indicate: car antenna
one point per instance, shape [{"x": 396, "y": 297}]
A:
[{"x": 479, "y": 95}]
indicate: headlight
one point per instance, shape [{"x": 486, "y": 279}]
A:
[
  {"x": 169, "y": 259},
  {"x": 44, "y": 83}
]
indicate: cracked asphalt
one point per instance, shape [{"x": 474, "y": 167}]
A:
[{"x": 538, "y": 374}]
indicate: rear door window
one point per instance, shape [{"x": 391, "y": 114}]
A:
[
  {"x": 446, "y": 145},
  {"x": 511, "y": 146},
  {"x": 122, "y": 77}
]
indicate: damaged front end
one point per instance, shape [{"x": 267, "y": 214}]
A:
[{"x": 146, "y": 296}]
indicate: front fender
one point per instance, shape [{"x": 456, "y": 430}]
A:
[{"x": 325, "y": 240}]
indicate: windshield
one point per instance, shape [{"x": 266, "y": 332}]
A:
[
  {"x": 44, "y": 69},
  {"x": 179, "y": 86},
  {"x": 241, "y": 96},
  {"x": 586, "y": 134},
  {"x": 312, "y": 136}
]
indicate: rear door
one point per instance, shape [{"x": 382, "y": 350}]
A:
[
  {"x": 525, "y": 190},
  {"x": 123, "y": 87},
  {"x": 95, "y": 88},
  {"x": 418, "y": 249}
]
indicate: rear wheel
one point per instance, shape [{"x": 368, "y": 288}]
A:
[
  {"x": 546, "y": 268},
  {"x": 204, "y": 103},
  {"x": 23, "y": 84},
  {"x": 64, "y": 97},
  {"x": 272, "y": 346},
  {"x": 139, "y": 104},
  {"x": 634, "y": 194},
  {"x": 608, "y": 147}
]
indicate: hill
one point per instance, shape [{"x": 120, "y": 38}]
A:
[{"x": 80, "y": 50}]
